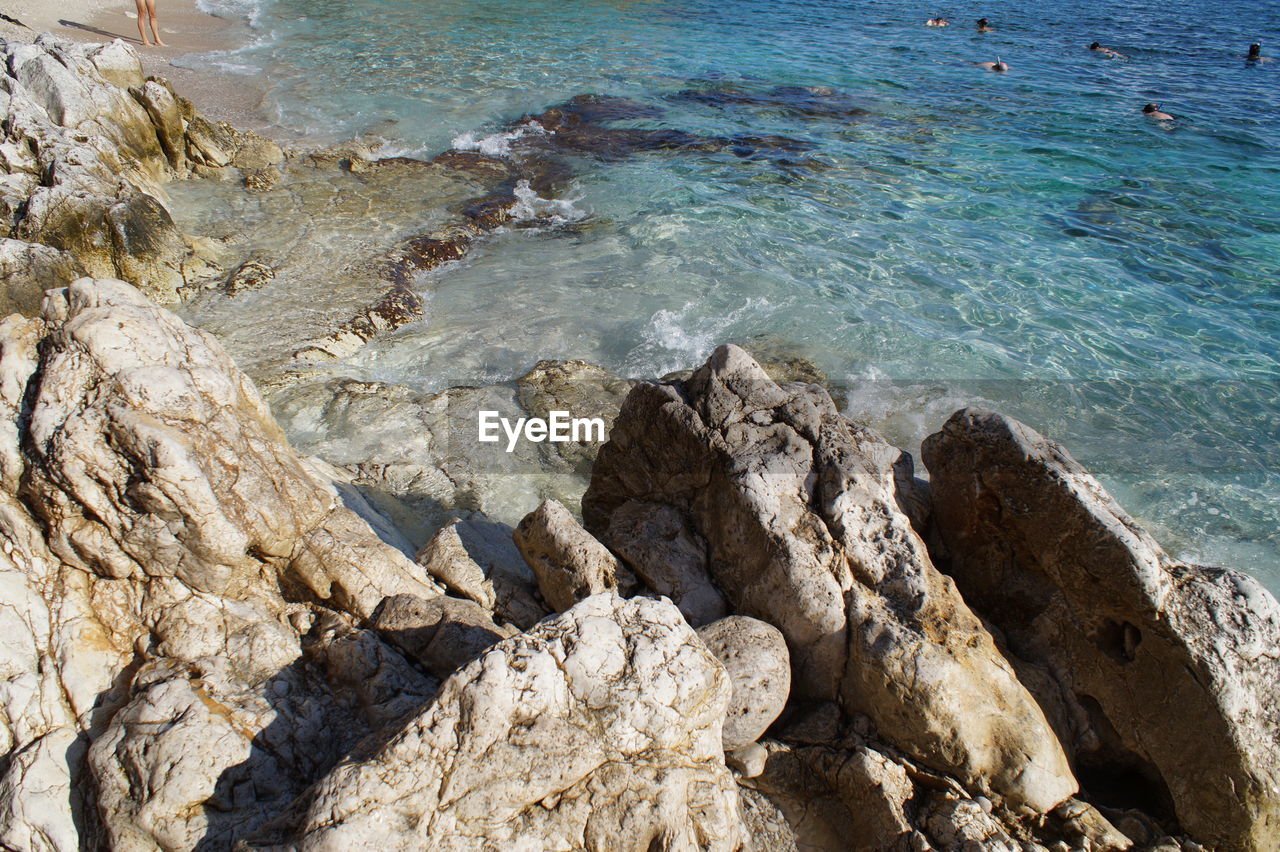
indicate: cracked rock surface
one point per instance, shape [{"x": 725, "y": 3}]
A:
[
  {"x": 85, "y": 151},
  {"x": 1172, "y": 669},
  {"x": 597, "y": 729},
  {"x": 182, "y": 649},
  {"x": 803, "y": 530}
]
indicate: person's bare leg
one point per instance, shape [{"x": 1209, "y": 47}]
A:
[
  {"x": 142, "y": 20},
  {"x": 155, "y": 27}
]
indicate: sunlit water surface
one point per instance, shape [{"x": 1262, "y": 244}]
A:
[{"x": 1110, "y": 280}]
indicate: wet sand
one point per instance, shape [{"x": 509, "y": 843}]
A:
[{"x": 186, "y": 29}]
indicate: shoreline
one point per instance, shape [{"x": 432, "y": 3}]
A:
[
  {"x": 187, "y": 29},
  {"x": 199, "y": 606}
]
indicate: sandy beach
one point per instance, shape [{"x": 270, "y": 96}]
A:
[{"x": 185, "y": 28}]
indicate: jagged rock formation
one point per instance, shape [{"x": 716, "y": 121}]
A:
[
  {"x": 798, "y": 510},
  {"x": 186, "y": 592},
  {"x": 208, "y": 641},
  {"x": 212, "y": 641},
  {"x": 599, "y": 729},
  {"x": 85, "y": 150},
  {"x": 1169, "y": 670}
]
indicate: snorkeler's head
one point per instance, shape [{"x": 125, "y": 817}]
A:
[
  {"x": 1151, "y": 108},
  {"x": 1094, "y": 46}
]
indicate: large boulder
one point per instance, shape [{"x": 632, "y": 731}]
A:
[
  {"x": 181, "y": 649},
  {"x": 1173, "y": 667},
  {"x": 799, "y": 513},
  {"x": 85, "y": 149},
  {"x": 151, "y": 455},
  {"x": 598, "y": 729}
]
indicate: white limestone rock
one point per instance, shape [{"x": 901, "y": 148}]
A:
[
  {"x": 153, "y": 455},
  {"x": 85, "y": 149},
  {"x": 569, "y": 563},
  {"x": 755, "y": 655},
  {"x": 800, "y": 514},
  {"x": 1171, "y": 667},
  {"x": 599, "y": 728}
]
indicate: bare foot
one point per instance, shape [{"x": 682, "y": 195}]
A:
[{"x": 161, "y": 43}]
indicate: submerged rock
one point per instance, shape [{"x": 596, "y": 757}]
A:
[
  {"x": 800, "y": 101},
  {"x": 396, "y": 307},
  {"x": 798, "y": 510},
  {"x": 585, "y": 390},
  {"x": 249, "y": 275},
  {"x": 1172, "y": 668}
]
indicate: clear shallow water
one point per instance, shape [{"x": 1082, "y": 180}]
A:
[{"x": 1113, "y": 280}]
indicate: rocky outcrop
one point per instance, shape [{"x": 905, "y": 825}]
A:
[
  {"x": 183, "y": 593},
  {"x": 802, "y": 526},
  {"x": 598, "y": 729},
  {"x": 1170, "y": 669},
  {"x": 151, "y": 455},
  {"x": 211, "y": 642},
  {"x": 85, "y": 151}
]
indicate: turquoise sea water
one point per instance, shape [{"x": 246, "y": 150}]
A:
[{"x": 1027, "y": 241}]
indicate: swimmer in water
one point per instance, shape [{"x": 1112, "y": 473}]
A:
[
  {"x": 1106, "y": 51},
  {"x": 1153, "y": 111},
  {"x": 1255, "y": 53},
  {"x": 998, "y": 65},
  {"x": 984, "y": 26},
  {"x": 937, "y": 21}
]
